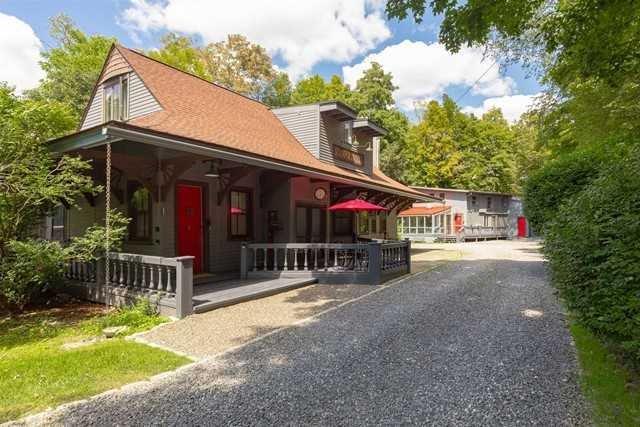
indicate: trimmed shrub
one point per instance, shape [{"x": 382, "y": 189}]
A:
[
  {"x": 558, "y": 181},
  {"x": 30, "y": 269},
  {"x": 593, "y": 246}
]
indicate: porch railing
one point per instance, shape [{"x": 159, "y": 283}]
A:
[
  {"x": 143, "y": 275},
  {"x": 479, "y": 231},
  {"x": 329, "y": 262}
]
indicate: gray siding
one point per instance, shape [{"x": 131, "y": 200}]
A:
[
  {"x": 332, "y": 132},
  {"x": 94, "y": 113},
  {"x": 141, "y": 101},
  {"x": 302, "y": 122}
]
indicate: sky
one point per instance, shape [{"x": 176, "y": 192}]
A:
[{"x": 303, "y": 37}]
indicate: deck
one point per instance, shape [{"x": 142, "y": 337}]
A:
[{"x": 207, "y": 297}]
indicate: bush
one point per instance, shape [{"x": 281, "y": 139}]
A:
[
  {"x": 558, "y": 181},
  {"x": 28, "y": 271},
  {"x": 593, "y": 246}
]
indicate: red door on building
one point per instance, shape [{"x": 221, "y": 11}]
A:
[
  {"x": 457, "y": 222},
  {"x": 189, "y": 227},
  {"x": 522, "y": 226}
]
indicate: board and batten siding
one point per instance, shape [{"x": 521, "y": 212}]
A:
[
  {"x": 303, "y": 123},
  {"x": 141, "y": 102}
]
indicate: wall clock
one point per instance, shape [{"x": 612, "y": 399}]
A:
[{"x": 320, "y": 193}]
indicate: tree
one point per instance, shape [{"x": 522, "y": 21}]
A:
[
  {"x": 235, "y": 63},
  {"x": 240, "y": 65},
  {"x": 181, "y": 53},
  {"x": 32, "y": 181},
  {"x": 72, "y": 67},
  {"x": 309, "y": 90},
  {"x": 448, "y": 148},
  {"x": 278, "y": 92}
]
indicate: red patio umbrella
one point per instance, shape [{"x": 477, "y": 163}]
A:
[{"x": 357, "y": 205}]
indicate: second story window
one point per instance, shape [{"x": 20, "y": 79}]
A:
[
  {"x": 116, "y": 99},
  {"x": 348, "y": 133}
]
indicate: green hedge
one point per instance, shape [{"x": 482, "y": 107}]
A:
[
  {"x": 558, "y": 181},
  {"x": 593, "y": 247}
]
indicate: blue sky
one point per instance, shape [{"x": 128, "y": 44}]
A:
[{"x": 323, "y": 36}]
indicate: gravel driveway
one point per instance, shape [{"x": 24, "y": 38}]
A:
[{"x": 479, "y": 341}]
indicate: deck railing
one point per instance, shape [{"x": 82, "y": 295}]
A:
[
  {"x": 140, "y": 276},
  {"x": 329, "y": 262},
  {"x": 484, "y": 232}
]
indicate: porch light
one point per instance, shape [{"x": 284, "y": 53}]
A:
[{"x": 213, "y": 171}]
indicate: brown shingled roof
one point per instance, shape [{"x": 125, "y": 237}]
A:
[{"x": 197, "y": 109}]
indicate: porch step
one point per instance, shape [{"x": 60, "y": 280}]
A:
[{"x": 212, "y": 296}]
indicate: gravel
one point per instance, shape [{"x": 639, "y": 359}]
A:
[{"x": 448, "y": 347}]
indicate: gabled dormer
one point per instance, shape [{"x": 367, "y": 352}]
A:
[
  {"x": 119, "y": 94},
  {"x": 333, "y": 132}
]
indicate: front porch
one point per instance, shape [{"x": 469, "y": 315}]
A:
[
  {"x": 266, "y": 269},
  {"x": 198, "y": 214}
]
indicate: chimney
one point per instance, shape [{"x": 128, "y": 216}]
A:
[{"x": 376, "y": 151}]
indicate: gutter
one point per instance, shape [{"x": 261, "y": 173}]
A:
[{"x": 99, "y": 135}]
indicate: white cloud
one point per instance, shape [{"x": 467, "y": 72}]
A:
[
  {"x": 20, "y": 53},
  {"x": 303, "y": 35},
  {"x": 512, "y": 106},
  {"x": 424, "y": 71}
]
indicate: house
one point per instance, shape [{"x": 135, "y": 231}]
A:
[
  {"x": 462, "y": 215},
  {"x": 218, "y": 183}
]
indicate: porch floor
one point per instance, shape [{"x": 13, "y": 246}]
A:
[{"x": 210, "y": 296}]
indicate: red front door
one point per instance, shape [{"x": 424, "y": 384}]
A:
[
  {"x": 522, "y": 226},
  {"x": 189, "y": 226}
]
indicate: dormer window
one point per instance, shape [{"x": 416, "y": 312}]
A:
[{"x": 116, "y": 99}]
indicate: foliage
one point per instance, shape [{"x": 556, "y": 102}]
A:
[
  {"x": 558, "y": 181},
  {"x": 594, "y": 252},
  {"x": 41, "y": 373},
  {"x": 448, "y": 148},
  {"x": 278, "y": 92},
  {"x": 72, "y": 67},
  {"x": 92, "y": 244},
  {"x": 32, "y": 180},
  {"x": 235, "y": 63},
  {"x": 181, "y": 53},
  {"x": 29, "y": 269},
  {"x": 604, "y": 382}
]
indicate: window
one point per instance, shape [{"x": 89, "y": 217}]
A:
[
  {"x": 342, "y": 223},
  {"x": 116, "y": 99},
  {"x": 57, "y": 219},
  {"x": 348, "y": 133},
  {"x": 489, "y": 203},
  {"x": 383, "y": 223},
  {"x": 139, "y": 211},
  {"x": 372, "y": 224},
  {"x": 240, "y": 225},
  {"x": 441, "y": 195},
  {"x": 363, "y": 222},
  {"x": 473, "y": 201}
]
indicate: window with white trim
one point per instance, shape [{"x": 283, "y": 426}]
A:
[{"x": 115, "y": 100}]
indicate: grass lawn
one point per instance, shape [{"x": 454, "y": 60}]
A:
[
  {"x": 37, "y": 372},
  {"x": 609, "y": 387}
]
